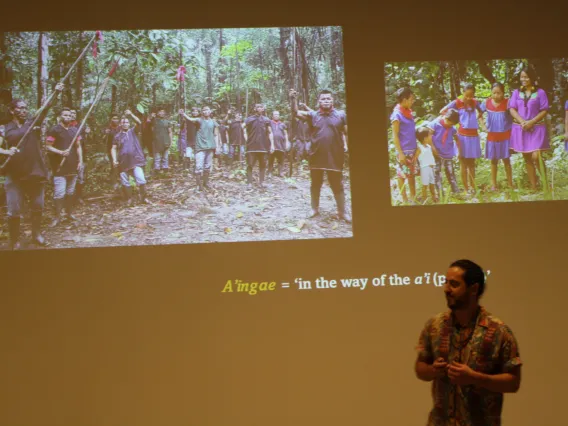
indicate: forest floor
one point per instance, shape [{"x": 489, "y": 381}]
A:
[{"x": 178, "y": 214}]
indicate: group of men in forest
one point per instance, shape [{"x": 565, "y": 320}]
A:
[{"x": 321, "y": 134}]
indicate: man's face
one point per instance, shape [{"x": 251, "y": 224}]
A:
[
  {"x": 66, "y": 117},
  {"x": 20, "y": 111},
  {"x": 195, "y": 112},
  {"x": 238, "y": 117},
  {"x": 325, "y": 101},
  {"x": 125, "y": 124},
  {"x": 276, "y": 115},
  {"x": 73, "y": 115},
  {"x": 259, "y": 109},
  {"x": 206, "y": 112},
  {"x": 458, "y": 294},
  {"x": 115, "y": 121},
  {"x": 161, "y": 113}
]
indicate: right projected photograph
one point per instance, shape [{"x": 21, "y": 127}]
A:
[{"x": 477, "y": 131}]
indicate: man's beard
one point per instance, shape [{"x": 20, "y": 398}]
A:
[{"x": 456, "y": 304}]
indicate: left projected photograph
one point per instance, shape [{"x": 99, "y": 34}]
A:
[{"x": 157, "y": 137}]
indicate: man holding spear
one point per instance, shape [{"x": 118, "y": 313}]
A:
[
  {"x": 59, "y": 140},
  {"x": 26, "y": 172}
]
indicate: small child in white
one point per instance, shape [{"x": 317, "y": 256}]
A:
[{"x": 427, "y": 162}]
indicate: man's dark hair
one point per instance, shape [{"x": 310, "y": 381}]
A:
[
  {"x": 324, "y": 92},
  {"x": 64, "y": 109},
  {"x": 403, "y": 93},
  {"x": 468, "y": 86},
  {"x": 472, "y": 274},
  {"x": 15, "y": 102}
]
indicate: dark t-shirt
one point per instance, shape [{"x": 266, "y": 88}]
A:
[
  {"x": 113, "y": 131},
  {"x": 278, "y": 129},
  {"x": 326, "y": 134},
  {"x": 301, "y": 131},
  {"x": 161, "y": 134},
  {"x": 257, "y": 133},
  {"x": 223, "y": 133},
  {"x": 236, "y": 133},
  {"x": 191, "y": 133},
  {"x": 60, "y": 138},
  {"x": 130, "y": 154},
  {"x": 27, "y": 164}
]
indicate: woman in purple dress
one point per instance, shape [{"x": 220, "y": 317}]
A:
[
  {"x": 529, "y": 106},
  {"x": 404, "y": 136},
  {"x": 499, "y": 123},
  {"x": 468, "y": 135}
]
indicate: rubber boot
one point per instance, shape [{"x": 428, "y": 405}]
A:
[
  {"x": 341, "y": 210},
  {"x": 127, "y": 195},
  {"x": 14, "y": 229},
  {"x": 58, "y": 204},
  {"x": 79, "y": 193},
  {"x": 37, "y": 236},
  {"x": 206, "y": 179},
  {"x": 261, "y": 174},
  {"x": 143, "y": 198},
  {"x": 249, "y": 176},
  {"x": 199, "y": 182},
  {"x": 280, "y": 168},
  {"x": 69, "y": 205}
]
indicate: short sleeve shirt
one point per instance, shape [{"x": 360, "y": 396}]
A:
[
  {"x": 327, "y": 150},
  {"x": 257, "y": 133},
  {"x": 205, "y": 138},
  {"x": 60, "y": 138},
  {"x": 488, "y": 346}
]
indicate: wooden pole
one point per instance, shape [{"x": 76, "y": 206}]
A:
[
  {"x": 95, "y": 102},
  {"x": 50, "y": 99}
]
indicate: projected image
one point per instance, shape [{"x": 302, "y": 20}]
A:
[
  {"x": 152, "y": 137},
  {"x": 477, "y": 131}
]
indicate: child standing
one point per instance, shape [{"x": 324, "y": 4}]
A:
[
  {"x": 444, "y": 137},
  {"x": 427, "y": 162},
  {"x": 499, "y": 123},
  {"x": 470, "y": 144}
]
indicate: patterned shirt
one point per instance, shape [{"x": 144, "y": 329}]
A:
[{"x": 488, "y": 346}]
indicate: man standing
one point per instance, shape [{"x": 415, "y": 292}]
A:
[
  {"x": 161, "y": 140},
  {"x": 280, "y": 136},
  {"x": 128, "y": 157},
  {"x": 260, "y": 143},
  {"x": 26, "y": 173},
  {"x": 81, "y": 176},
  {"x": 206, "y": 143},
  {"x": 328, "y": 135},
  {"x": 59, "y": 140},
  {"x": 471, "y": 357},
  {"x": 236, "y": 137}
]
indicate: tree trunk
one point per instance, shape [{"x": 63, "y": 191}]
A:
[
  {"x": 113, "y": 99},
  {"x": 333, "y": 56},
  {"x": 486, "y": 72},
  {"x": 207, "y": 53},
  {"x": 42, "y": 69},
  {"x": 283, "y": 54},
  {"x": 79, "y": 75},
  {"x": 5, "y": 81},
  {"x": 303, "y": 69}
]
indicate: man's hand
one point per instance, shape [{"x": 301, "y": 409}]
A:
[
  {"x": 65, "y": 153},
  {"x": 440, "y": 366},
  {"x": 12, "y": 151},
  {"x": 181, "y": 112},
  {"x": 303, "y": 106},
  {"x": 127, "y": 112},
  {"x": 461, "y": 374},
  {"x": 80, "y": 166},
  {"x": 401, "y": 158},
  {"x": 115, "y": 163}
]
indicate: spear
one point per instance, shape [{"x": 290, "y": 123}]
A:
[
  {"x": 98, "y": 35},
  {"x": 95, "y": 102},
  {"x": 180, "y": 76}
]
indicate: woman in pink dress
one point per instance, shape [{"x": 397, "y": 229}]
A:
[{"x": 528, "y": 107}]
